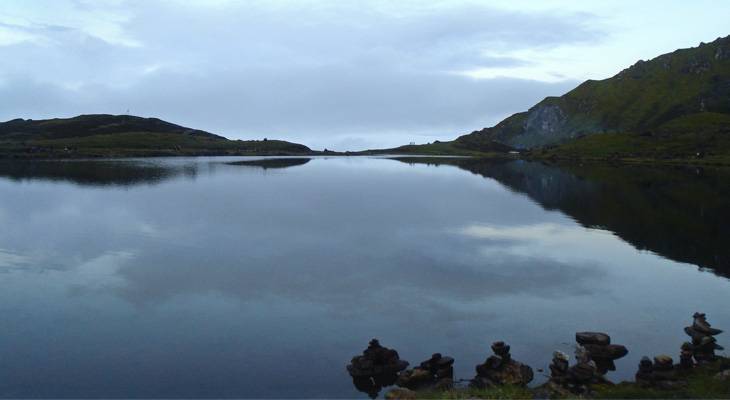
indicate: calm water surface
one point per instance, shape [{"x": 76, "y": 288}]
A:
[{"x": 197, "y": 278}]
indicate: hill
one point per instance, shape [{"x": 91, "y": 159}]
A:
[
  {"x": 450, "y": 148},
  {"x": 676, "y": 105},
  {"x": 103, "y": 135}
]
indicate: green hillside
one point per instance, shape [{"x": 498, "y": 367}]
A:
[
  {"x": 675, "y": 105},
  {"x": 104, "y": 135}
]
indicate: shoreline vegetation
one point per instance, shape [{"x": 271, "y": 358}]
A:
[{"x": 699, "y": 372}]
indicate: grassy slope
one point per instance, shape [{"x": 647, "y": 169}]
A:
[
  {"x": 667, "y": 107},
  {"x": 702, "y": 138}
]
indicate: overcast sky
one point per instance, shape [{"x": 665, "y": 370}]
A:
[{"x": 337, "y": 74}]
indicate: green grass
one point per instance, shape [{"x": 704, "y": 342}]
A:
[
  {"x": 677, "y": 141},
  {"x": 452, "y": 148},
  {"x": 133, "y": 144},
  {"x": 502, "y": 392},
  {"x": 700, "y": 385}
]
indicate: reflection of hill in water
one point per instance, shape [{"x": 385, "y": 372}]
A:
[
  {"x": 272, "y": 163},
  {"x": 681, "y": 213},
  {"x": 124, "y": 172},
  {"x": 96, "y": 173}
]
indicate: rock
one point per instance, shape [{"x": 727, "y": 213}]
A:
[
  {"x": 703, "y": 342},
  {"x": 701, "y": 325},
  {"x": 559, "y": 367},
  {"x": 598, "y": 338},
  {"x": 376, "y": 360},
  {"x": 598, "y": 348},
  {"x": 723, "y": 375},
  {"x": 644, "y": 376},
  {"x": 501, "y": 369},
  {"x": 685, "y": 356},
  {"x": 582, "y": 373},
  {"x": 436, "y": 371},
  {"x": 663, "y": 362},
  {"x": 611, "y": 351},
  {"x": 400, "y": 394},
  {"x": 376, "y": 368}
]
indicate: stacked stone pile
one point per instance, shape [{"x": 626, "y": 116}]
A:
[
  {"x": 600, "y": 350},
  {"x": 376, "y": 368},
  {"x": 501, "y": 369},
  {"x": 703, "y": 344}
]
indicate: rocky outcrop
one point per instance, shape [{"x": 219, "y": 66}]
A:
[
  {"x": 545, "y": 119},
  {"x": 501, "y": 369}
]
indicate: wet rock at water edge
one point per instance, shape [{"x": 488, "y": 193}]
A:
[
  {"x": 376, "y": 368},
  {"x": 501, "y": 369},
  {"x": 435, "y": 373}
]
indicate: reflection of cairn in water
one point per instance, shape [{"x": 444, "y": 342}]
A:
[
  {"x": 501, "y": 369},
  {"x": 703, "y": 344},
  {"x": 599, "y": 348},
  {"x": 376, "y": 368},
  {"x": 435, "y": 373}
]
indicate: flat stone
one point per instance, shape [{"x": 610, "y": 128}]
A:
[
  {"x": 608, "y": 352},
  {"x": 592, "y": 338}
]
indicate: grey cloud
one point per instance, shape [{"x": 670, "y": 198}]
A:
[{"x": 331, "y": 75}]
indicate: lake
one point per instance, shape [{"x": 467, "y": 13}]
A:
[{"x": 242, "y": 277}]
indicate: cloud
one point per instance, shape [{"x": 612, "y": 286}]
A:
[{"x": 330, "y": 74}]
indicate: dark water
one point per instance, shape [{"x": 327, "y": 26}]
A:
[{"x": 202, "y": 278}]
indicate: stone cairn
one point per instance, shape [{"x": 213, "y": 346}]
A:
[
  {"x": 435, "y": 373},
  {"x": 662, "y": 373},
  {"x": 501, "y": 369},
  {"x": 594, "y": 356},
  {"x": 703, "y": 344},
  {"x": 600, "y": 350},
  {"x": 566, "y": 380},
  {"x": 376, "y": 368}
]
